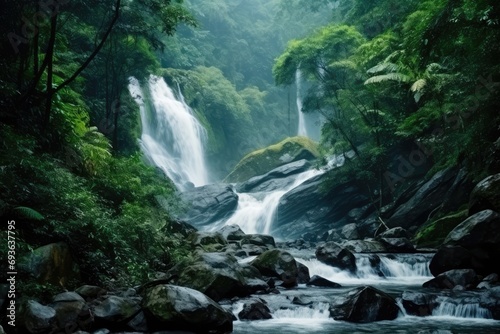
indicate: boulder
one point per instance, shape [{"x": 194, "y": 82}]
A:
[
  {"x": 336, "y": 256},
  {"x": 396, "y": 232},
  {"x": 473, "y": 244},
  {"x": 114, "y": 312},
  {"x": 364, "y": 246},
  {"x": 466, "y": 278},
  {"x": 279, "y": 264},
  {"x": 365, "y": 304},
  {"x": 170, "y": 307},
  {"x": 255, "y": 310},
  {"x": 38, "y": 318},
  {"x": 322, "y": 282},
  {"x": 485, "y": 195},
  {"x": 208, "y": 204},
  {"x": 138, "y": 323},
  {"x": 90, "y": 292},
  {"x": 219, "y": 275},
  {"x": 303, "y": 276},
  {"x": 232, "y": 233},
  {"x": 264, "y": 160},
  {"x": 350, "y": 232},
  {"x": 309, "y": 209},
  {"x": 208, "y": 241},
  {"x": 418, "y": 303},
  {"x": 71, "y": 311},
  {"x": 264, "y": 240},
  {"x": 398, "y": 245},
  {"x": 433, "y": 233},
  {"x": 490, "y": 299},
  {"x": 51, "y": 263}
]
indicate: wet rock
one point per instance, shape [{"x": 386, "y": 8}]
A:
[
  {"x": 278, "y": 178},
  {"x": 450, "y": 279},
  {"x": 336, "y": 256},
  {"x": 208, "y": 204},
  {"x": 303, "y": 274},
  {"x": 396, "y": 232},
  {"x": 138, "y": 323},
  {"x": 114, "y": 312},
  {"x": 398, "y": 245},
  {"x": 418, "y": 303},
  {"x": 350, "y": 232},
  {"x": 71, "y": 311},
  {"x": 170, "y": 307},
  {"x": 474, "y": 244},
  {"x": 255, "y": 310},
  {"x": 37, "y": 318},
  {"x": 299, "y": 300},
  {"x": 485, "y": 195},
  {"x": 219, "y": 275},
  {"x": 263, "y": 240},
  {"x": 322, "y": 282},
  {"x": 232, "y": 233},
  {"x": 208, "y": 241},
  {"x": 364, "y": 246},
  {"x": 365, "y": 304},
  {"x": 279, "y": 264},
  {"x": 490, "y": 299}
]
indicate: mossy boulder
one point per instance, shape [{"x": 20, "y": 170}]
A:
[
  {"x": 264, "y": 160},
  {"x": 486, "y": 195},
  {"x": 433, "y": 233},
  {"x": 170, "y": 307},
  {"x": 279, "y": 264}
]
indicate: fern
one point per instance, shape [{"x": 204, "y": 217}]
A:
[
  {"x": 399, "y": 77},
  {"x": 28, "y": 213},
  {"x": 383, "y": 67},
  {"x": 419, "y": 85}
]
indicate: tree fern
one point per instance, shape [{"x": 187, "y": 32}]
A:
[{"x": 383, "y": 67}]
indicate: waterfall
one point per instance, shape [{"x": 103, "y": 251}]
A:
[
  {"x": 465, "y": 310},
  {"x": 172, "y": 138},
  {"x": 255, "y": 212},
  {"x": 302, "y": 131}
]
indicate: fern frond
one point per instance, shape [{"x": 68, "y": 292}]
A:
[
  {"x": 434, "y": 67},
  {"x": 418, "y": 85},
  {"x": 28, "y": 213},
  {"x": 383, "y": 67},
  {"x": 344, "y": 64},
  {"x": 399, "y": 77}
]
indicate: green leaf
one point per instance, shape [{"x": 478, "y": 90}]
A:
[{"x": 28, "y": 213}]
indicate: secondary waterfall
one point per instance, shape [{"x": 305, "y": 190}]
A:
[
  {"x": 302, "y": 131},
  {"x": 172, "y": 138}
]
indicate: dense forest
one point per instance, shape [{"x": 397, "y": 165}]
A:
[{"x": 399, "y": 89}]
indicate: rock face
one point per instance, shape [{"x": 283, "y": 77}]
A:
[
  {"x": 473, "y": 244},
  {"x": 278, "y": 178},
  {"x": 51, "y": 263},
  {"x": 485, "y": 195},
  {"x": 279, "y": 264},
  {"x": 334, "y": 255},
  {"x": 208, "y": 204},
  {"x": 308, "y": 209},
  {"x": 448, "y": 187},
  {"x": 365, "y": 304},
  {"x": 262, "y": 161},
  {"x": 219, "y": 275},
  {"x": 170, "y": 307}
]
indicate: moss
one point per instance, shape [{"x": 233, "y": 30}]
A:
[
  {"x": 433, "y": 233},
  {"x": 264, "y": 160}
]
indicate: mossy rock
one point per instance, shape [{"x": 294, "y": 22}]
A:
[
  {"x": 433, "y": 233},
  {"x": 264, "y": 160}
]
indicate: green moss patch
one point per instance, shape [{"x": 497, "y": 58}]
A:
[
  {"x": 433, "y": 233},
  {"x": 264, "y": 160}
]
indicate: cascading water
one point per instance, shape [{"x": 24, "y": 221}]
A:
[
  {"x": 302, "y": 131},
  {"x": 172, "y": 138},
  {"x": 255, "y": 212}
]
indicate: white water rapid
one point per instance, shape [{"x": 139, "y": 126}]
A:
[{"x": 172, "y": 138}]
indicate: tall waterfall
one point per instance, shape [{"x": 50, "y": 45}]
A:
[
  {"x": 302, "y": 131},
  {"x": 172, "y": 138}
]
